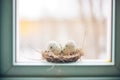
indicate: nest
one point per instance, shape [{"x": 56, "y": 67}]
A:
[{"x": 72, "y": 57}]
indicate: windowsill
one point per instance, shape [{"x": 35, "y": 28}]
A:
[
  {"x": 89, "y": 62},
  {"x": 34, "y": 58}
]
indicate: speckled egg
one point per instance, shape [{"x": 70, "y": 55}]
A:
[
  {"x": 69, "y": 47},
  {"x": 54, "y": 47}
]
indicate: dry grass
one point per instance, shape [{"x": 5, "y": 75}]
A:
[{"x": 72, "y": 57}]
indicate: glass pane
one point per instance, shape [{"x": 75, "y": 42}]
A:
[{"x": 87, "y": 23}]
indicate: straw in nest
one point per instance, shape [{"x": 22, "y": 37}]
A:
[{"x": 72, "y": 57}]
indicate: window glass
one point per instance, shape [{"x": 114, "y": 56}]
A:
[{"x": 86, "y": 22}]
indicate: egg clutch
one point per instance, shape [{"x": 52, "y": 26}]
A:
[{"x": 58, "y": 53}]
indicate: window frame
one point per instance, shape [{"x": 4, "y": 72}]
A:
[{"x": 7, "y": 69}]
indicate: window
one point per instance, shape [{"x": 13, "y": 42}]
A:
[
  {"x": 23, "y": 70},
  {"x": 87, "y": 22}
]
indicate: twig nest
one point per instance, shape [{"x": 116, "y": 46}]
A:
[
  {"x": 54, "y": 47},
  {"x": 72, "y": 57},
  {"x": 57, "y": 54}
]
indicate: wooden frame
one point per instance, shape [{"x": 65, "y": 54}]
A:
[{"x": 7, "y": 69}]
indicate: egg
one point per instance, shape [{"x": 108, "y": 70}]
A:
[
  {"x": 54, "y": 47},
  {"x": 69, "y": 47}
]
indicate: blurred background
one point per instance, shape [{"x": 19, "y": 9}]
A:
[{"x": 87, "y": 22}]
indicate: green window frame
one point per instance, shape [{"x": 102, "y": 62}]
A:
[{"x": 8, "y": 71}]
